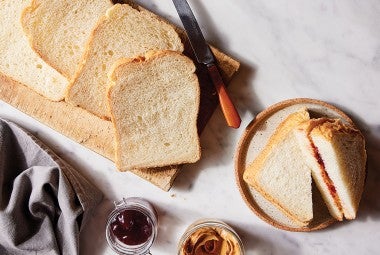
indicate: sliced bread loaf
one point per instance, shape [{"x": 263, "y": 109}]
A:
[
  {"x": 337, "y": 160},
  {"x": 59, "y": 29},
  {"x": 17, "y": 59},
  {"x": 154, "y": 104},
  {"x": 281, "y": 175},
  {"x": 122, "y": 32}
]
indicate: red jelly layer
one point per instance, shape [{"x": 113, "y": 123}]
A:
[
  {"x": 131, "y": 227},
  {"x": 326, "y": 177}
]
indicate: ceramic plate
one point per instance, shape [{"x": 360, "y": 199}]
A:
[{"x": 252, "y": 142}]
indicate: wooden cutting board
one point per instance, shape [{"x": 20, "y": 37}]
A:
[{"x": 97, "y": 134}]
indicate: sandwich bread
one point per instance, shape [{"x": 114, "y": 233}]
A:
[
  {"x": 59, "y": 29},
  {"x": 336, "y": 154},
  {"x": 17, "y": 59},
  {"x": 280, "y": 174},
  {"x": 122, "y": 32},
  {"x": 154, "y": 104}
]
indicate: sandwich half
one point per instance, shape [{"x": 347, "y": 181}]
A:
[
  {"x": 336, "y": 154},
  {"x": 281, "y": 174}
]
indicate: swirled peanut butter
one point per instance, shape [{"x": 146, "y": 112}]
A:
[{"x": 211, "y": 241}]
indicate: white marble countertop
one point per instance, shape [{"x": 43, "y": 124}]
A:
[{"x": 327, "y": 50}]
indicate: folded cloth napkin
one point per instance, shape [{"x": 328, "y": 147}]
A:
[{"x": 43, "y": 201}]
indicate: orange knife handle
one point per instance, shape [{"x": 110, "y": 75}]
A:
[{"x": 230, "y": 113}]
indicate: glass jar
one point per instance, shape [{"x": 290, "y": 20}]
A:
[
  {"x": 132, "y": 226},
  {"x": 214, "y": 230}
]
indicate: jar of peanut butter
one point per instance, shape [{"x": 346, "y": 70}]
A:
[{"x": 210, "y": 237}]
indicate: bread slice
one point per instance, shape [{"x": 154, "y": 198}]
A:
[
  {"x": 154, "y": 102},
  {"x": 59, "y": 29},
  {"x": 336, "y": 154},
  {"x": 281, "y": 175},
  {"x": 313, "y": 159},
  {"x": 19, "y": 62},
  {"x": 122, "y": 32}
]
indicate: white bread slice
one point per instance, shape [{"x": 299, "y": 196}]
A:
[
  {"x": 19, "y": 62},
  {"x": 154, "y": 104},
  {"x": 122, "y": 32},
  {"x": 338, "y": 164},
  {"x": 59, "y": 29},
  {"x": 313, "y": 159},
  {"x": 281, "y": 175}
]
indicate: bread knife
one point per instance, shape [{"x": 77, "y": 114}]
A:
[{"x": 204, "y": 56}]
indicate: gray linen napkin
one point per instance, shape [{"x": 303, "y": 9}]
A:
[{"x": 43, "y": 201}]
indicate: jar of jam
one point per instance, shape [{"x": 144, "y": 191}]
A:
[{"x": 132, "y": 226}]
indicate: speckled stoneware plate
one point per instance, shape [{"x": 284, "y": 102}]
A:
[{"x": 252, "y": 142}]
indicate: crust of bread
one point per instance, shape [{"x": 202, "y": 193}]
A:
[{"x": 331, "y": 127}]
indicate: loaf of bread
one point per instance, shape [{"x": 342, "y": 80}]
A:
[
  {"x": 336, "y": 154},
  {"x": 281, "y": 175},
  {"x": 87, "y": 129},
  {"x": 19, "y": 62},
  {"x": 122, "y": 32},
  {"x": 59, "y": 29},
  {"x": 154, "y": 104}
]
